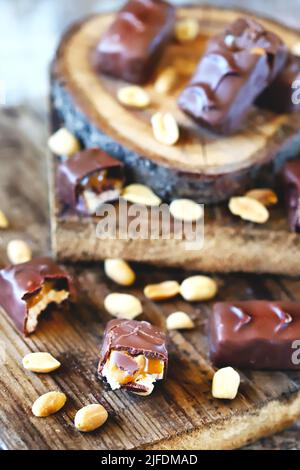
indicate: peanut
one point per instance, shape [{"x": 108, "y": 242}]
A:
[
  {"x": 196, "y": 288},
  {"x": 119, "y": 271},
  {"x": 187, "y": 29},
  {"x": 140, "y": 194},
  {"x": 41, "y": 362},
  {"x": 18, "y": 252},
  {"x": 134, "y": 97},
  {"x": 124, "y": 306},
  {"x": 162, "y": 291},
  {"x": 264, "y": 195},
  {"x": 295, "y": 49},
  {"x": 90, "y": 417},
  {"x": 63, "y": 143},
  {"x": 226, "y": 383},
  {"x": 165, "y": 128},
  {"x": 166, "y": 80},
  {"x": 48, "y": 404},
  {"x": 3, "y": 220},
  {"x": 249, "y": 209},
  {"x": 179, "y": 321},
  {"x": 186, "y": 210}
]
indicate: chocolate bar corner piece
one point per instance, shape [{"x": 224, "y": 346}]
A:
[
  {"x": 88, "y": 179},
  {"x": 135, "y": 41},
  {"x": 291, "y": 188},
  {"x": 280, "y": 96},
  {"x": 133, "y": 356},
  {"x": 236, "y": 67},
  {"x": 255, "y": 334},
  {"x": 27, "y": 289}
]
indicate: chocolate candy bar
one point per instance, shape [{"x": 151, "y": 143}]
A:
[
  {"x": 135, "y": 41},
  {"x": 133, "y": 356},
  {"x": 88, "y": 179},
  {"x": 255, "y": 334},
  {"x": 281, "y": 96},
  {"x": 291, "y": 184},
  {"x": 27, "y": 289},
  {"x": 236, "y": 67}
]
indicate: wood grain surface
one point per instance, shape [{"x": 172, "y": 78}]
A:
[{"x": 181, "y": 413}]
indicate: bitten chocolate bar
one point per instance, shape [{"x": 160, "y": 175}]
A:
[
  {"x": 281, "y": 96},
  {"x": 135, "y": 41},
  {"x": 291, "y": 185},
  {"x": 27, "y": 289},
  {"x": 236, "y": 67},
  {"x": 255, "y": 334},
  {"x": 133, "y": 356},
  {"x": 88, "y": 179}
]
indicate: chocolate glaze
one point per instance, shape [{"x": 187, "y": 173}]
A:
[
  {"x": 82, "y": 164},
  {"x": 19, "y": 281},
  {"x": 135, "y": 41},
  {"x": 278, "y": 96},
  {"x": 135, "y": 338},
  {"x": 236, "y": 67},
  {"x": 255, "y": 334},
  {"x": 291, "y": 184}
]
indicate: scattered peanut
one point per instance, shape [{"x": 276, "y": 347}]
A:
[
  {"x": 140, "y": 194},
  {"x": 90, "y": 417},
  {"x": 18, "y": 252},
  {"x": 186, "y": 210},
  {"x": 48, "y": 404},
  {"x": 187, "y": 29},
  {"x": 3, "y": 220},
  {"x": 179, "y": 321},
  {"x": 63, "y": 143},
  {"x": 134, "y": 96},
  {"x": 249, "y": 209},
  {"x": 124, "y": 306},
  {"x": 295, "y": 49},
  {"x": 166, "y": 80},
  {"x": 119, "y": 271},
  {"x": 165, "y": 128},
  {"x": 264, "y": 195},
  {"x": 226, "y": 383},
  {"x": 162, "y": 291},
  {"x": 197, "y": 288},
  {"x": 40, "y": 362}
]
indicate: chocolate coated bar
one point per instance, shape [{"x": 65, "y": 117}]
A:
[
  {"x": 27, "y": 289},
  {"x": 291, "y": 184},
  {"x": 133, "y": 355},
  {"x": 236, "y": 67},
  {"x": 255, "y": 334},
  {"x": 135, "y": 41},
  {"x": 88, "y": 179}
]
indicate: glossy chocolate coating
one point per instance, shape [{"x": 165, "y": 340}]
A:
[
  {"x": 19, "y": 281},
  {"x": 72, "y": 171},
  {"x": 135, "y": 41},
  {"x": 255, "y": 334},
  {"x": 278, "y": 96},
  {"x": 236, "y": 67},
  {"x": 135, "y": 338},
  {"x": 291, "y": 184}
]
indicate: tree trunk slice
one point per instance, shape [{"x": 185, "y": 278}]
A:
[{"x": 202, "y": 166}]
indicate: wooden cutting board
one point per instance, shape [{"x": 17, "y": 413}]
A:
[
  {"x": 181, "y": 414},
  {"x": 87, "y": 105}
]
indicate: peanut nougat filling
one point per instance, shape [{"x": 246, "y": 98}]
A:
[
  {"x": 51, "y": 292},
  {"x": 99, "y": 187},
  {"x": 121, "y": 368}
]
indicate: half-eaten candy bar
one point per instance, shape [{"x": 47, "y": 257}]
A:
[
  {"x": 236, "y": 67},
  {"x": 133, "y": 356},
  {"x": 255, "y": 334},
  {"x": 88, "y": 179},
  {"x": 291, "y": 185},
  {"x": 136, "y": 40},
  {"x": 27, "y": 289}
]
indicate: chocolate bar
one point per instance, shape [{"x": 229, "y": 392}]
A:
[
  {"x": 27, "y": 289},
  {"x": 135, "y": 41},
  {"x": 281, "y": 96},
  {"x": 291, "y": 184},
  {"x": 133, "y": 356},
  {"x": 255, "y": 334},
  {"x": 236, "y": 67},
  {"x": 88, "y": 179}
]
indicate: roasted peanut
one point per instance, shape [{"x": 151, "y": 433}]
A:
[
  {"x": 249, "y": 209},
  {"x": 165, "y": 128},
  {"x": 63, "y": 143},
  {"x": 162, "y": 291},
  {"x": 196, "y": 288},
  {"x": 124, "y": 306},
  {"x": 41, "y": 362},
  {"x": 48, "y": 404},
  {"x": 140, "y": 194},
  {"x": 90, "y": 417},
  {"x": 264, "y": 195},
  {"x": 3, "y": 220},
  {"x": 295, "y": 49},
  {"x": 226, "y": 383},
  {"x": 134, "y": 96},
  {"x": 187, "y": 29},
  {"x": 119, "y": 271},
  {"x": 18, "y": 251},
  {"x": 186, "y": 210},
  {"x": 179, "y": 321},
  {"x": 166, "y": 80}
]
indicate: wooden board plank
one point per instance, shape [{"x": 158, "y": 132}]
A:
[{"x": 181, "y": 413}]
